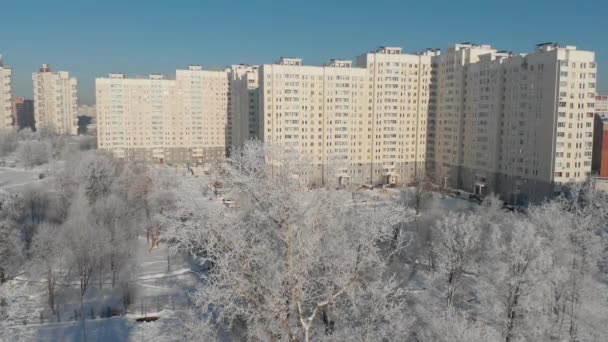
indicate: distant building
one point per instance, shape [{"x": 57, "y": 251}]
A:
[
  {"x": 55, "y": 100},
  {"x": 243, "y": 104},
  {"x": 87, "y": 121},
  {"x": 6, "y": 113},
  {"x": 600, "y": 137},
  {"x": 164, "y": 120},
  {"x": 23, "y": 113}
]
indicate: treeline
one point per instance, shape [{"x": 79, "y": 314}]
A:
[
  {"x": 78, "y": 229},
  {"x": 287, "y": 264}
]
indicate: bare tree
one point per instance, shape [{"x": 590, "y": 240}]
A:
[
  {"x": 456, "y": 241},
  {"x": 82, "y": 241},
  {"x": 8, "y": 141},
  {"x": 16, "y": 308},
  {"x": 50, "y": 259},
  {"x": 34, "y": 153},
  {"x": 114, "y": 217},
  {"x": 511, "y": 276},
  {"x": 417, "y": 193},
  {"x": 95, "y": 175},
  {"x": 292, "y": 264},
  {"x": 455, "y": 326}
]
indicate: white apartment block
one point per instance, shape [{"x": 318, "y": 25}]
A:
[
  {"x": 243, "y": 105},
  {"x": 450, "y": 112},
  {"x": 400, "y": 88},
  {"x": 161, "y": 120},
  {"x": 55, "y": 101},
  {"x": 363, "y": 124},
  {"x": 472, "y": 118},
  {"x": 6, "y": 111},
  {"x": 322, "y": 112},
  {"x": 517, "y": 125}
]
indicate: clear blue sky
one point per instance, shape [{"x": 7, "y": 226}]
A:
[{"x": 92, "y": 38}]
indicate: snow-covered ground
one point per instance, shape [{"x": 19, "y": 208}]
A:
[
  {"x": 159, "y": 287},
  {"x": 114, "y": 329},
  {"x": 13, "y": 179},
  {"x": 160, "y": 282}
]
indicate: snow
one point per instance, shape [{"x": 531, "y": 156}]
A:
[
  {"x": 157, "y": 290},
  {"x": 13, "y": 180}
]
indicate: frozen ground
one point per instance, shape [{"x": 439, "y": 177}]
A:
[
  {"x": 13, "y": 180},
  {"x": 114, "y": 329}
]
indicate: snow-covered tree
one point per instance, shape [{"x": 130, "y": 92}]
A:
[
  {"x": 95, "y": 175},
  {"x": 8, "y": 141},
  {"x": 33, "y": 153},
  {"x": 417, "y": 193},
  {"x": 293, "y": 264},
  {"x": 51, "y": 260},
  {"x": 17, "y": 309},
  {"x": 456, "y": 242}
]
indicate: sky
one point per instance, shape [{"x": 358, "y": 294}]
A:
[{"x": 93, "y": 38}]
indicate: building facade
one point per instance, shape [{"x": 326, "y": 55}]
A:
[
  {"x": 600, "y": 137},
  {"x": 471, "y": 118},
  {"x": 243, "y": 106},
  {"x": 23, "y": 113},
  {"x": 450, "y": 117},
  {"x": 181, "y": 120},
  {"x": 6, "y": 114},
  {"x": 517, "y": 125},
  {"x": 55, "y": 101},
  {"x": 361, "y": 124}
]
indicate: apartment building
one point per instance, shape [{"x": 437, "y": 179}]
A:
[
  {"x": 517, "y": 125},
  {"x": 322, "y": 113},
  {"x": 363, "y": 124},
  {"x": 23, "y": 113},
  {"x": 450, "y": 117},
  {"x": 400, "y": 90},
  {"x": 600, "y": 137},
  {"x": 163, "y": 120},
  {"x": 55, "y": 100},
  {"x": 472, "y": 118},
  {"x": 6, "y": 114},
  {"x": 243, "y": 105}
]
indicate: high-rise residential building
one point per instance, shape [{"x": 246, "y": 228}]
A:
[
  {"x": 517, "y": 125},
  {"x": 243, "y": 105},
  {"x": 449, "y": 118},
  {"x": 163, "y": 120},
  {"x": 323, "y": 113},
  {"x": 363, "y": 124},
  {"x": 55, "y": 101},
  {"x": 6, "y": 114},
  {"x": 400, "y": 103},
  {"x": 472, "y": 118},
  {"x": 600, "y": 137},
  {"x": 23, "y": 113},
  {"x": 87, "y": 121}
]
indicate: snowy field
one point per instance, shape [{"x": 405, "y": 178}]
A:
[{"x": 13, "y": 180}]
